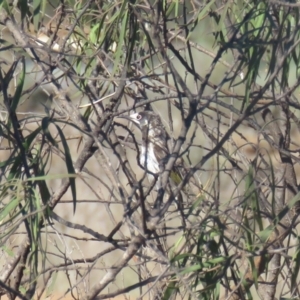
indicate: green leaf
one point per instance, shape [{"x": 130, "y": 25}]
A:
[
  {"x": 17, "y": 96},
  {"x": 45, "y": 125},
  {"x": 205, "y": 10},
  {"x": 265, "y": 234},
  {"x": 176, "y": 245},
  {"x": 119, "y": 53},
  {"x": 23, "y": 6},
  {"x": 222, "y": 24},
  {"x": 170, "y": 290},
  {"x": 22, "y": 289},
  {"x": 192, "y": 269},
  {"x": 5, "y": 5},
  {"x": 15, "y": 169},
  {"x": 30, "y": 138},
  {"x": 88, "y": 113},
  {"x": 259, "y": 20},
  {"x": 11, "y": 205},
  {"x": 69, "y": 165},
  {"x": 36, "y": 14},
  {"x": 217, "y": 260},
  {"x": 181, "y": 256}
]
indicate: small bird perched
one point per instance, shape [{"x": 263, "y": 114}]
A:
[
  {"x": 154, "y": 148},
  {"x": 154, "y": 154}
]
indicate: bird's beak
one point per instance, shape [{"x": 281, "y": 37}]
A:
[{"x": 125, "y": 117}]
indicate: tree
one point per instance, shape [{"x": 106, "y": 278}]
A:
[{"x": 222, "y": 76}]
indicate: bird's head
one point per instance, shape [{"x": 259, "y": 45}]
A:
[
  {"x": 144, "y": 119},
  {"x": 149, "y": 124}
]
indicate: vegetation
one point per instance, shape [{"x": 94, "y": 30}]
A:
[{"x": 78, "y": 214}]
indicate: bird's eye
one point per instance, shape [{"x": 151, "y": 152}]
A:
[{"x": 138, "y": 117}]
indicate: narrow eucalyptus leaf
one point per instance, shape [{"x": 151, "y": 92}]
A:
[{"x": 69, "y": 164}]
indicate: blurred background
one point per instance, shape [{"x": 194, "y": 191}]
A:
[{"x": 223, "y": 78}]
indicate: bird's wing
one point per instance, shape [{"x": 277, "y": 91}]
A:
[{"x": 161, "y": 152}]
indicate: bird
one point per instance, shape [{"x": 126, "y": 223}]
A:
[
  {"x": 154, "y": 147},
  {"x": 154, "y": 153},
  {"x": 152, "y": 158},
  {"x": 155, "y": 150}
]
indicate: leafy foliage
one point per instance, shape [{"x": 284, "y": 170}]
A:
[{"x": 77, "y": 210}]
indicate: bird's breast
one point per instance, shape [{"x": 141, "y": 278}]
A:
[{"x": 148, "y": 159}]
